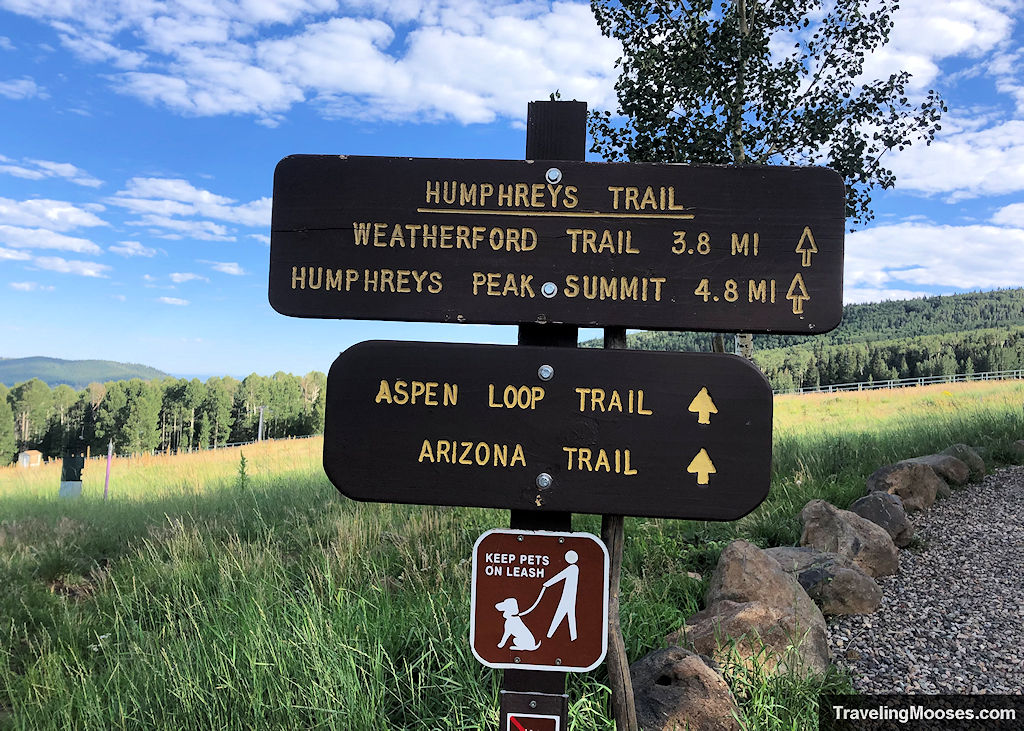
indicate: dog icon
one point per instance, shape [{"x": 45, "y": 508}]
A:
[{"x": 522, "y": 637}]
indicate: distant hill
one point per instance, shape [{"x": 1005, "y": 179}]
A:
[
  {"x": 879, "y": 321},
  {"x": 76, "y": 373}
]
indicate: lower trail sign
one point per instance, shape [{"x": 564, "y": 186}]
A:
[
  {"x": 539, "y": 600},
  {"x": 623, "y": 432}
]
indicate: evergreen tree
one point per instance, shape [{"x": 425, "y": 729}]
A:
[{"x": 8, "y": 443}]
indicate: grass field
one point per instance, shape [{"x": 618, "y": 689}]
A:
[{"x": 199, "y": 598}]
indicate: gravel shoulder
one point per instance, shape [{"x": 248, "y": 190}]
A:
[{"x": 952, "y": 619}]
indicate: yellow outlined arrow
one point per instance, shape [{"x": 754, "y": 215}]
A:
[
  {"x": 806, "y": 246},
  {"x": 702, "y": 466},
  {"x": 798, "y": 293},
  {"x": 703, "y": 406}
]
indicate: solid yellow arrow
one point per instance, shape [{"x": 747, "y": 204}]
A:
[
  {"x": 798, "y": 293},
  {"x": 806, "y": 246},
  {"x": 702, "y": 466},
  {"x": 703, "y": 406}
]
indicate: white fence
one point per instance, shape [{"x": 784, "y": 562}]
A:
[{"x": 904, "y": 382}]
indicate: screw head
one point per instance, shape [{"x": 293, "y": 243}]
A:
[
  {"x": 544, "y": 480},
  {"x": 549, "y": 289},
  {"x": 546, "y": 372},
  {"x": 516, "y": 659},
  {"x": 553, "y": 175},
  {"x": 558, "y": 661},
  {"x": 519, "y": 538},
  {"x": 561, "y": 540},
  {"x": 533, "y": 704}
]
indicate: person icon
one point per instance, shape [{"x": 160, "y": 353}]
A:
[{"x": 570, "y": 578}]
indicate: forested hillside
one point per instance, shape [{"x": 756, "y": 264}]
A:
[
  {"x": 991, "y": 349},
  {"x": 164, "y": 414},
  {"x": 895, "y": 320},
  {"x": 75, "y": 373}
]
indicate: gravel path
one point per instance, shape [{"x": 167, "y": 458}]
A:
[{"x": 952, "y": 619}]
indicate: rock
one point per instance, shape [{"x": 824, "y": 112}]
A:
[
  {"x": 916, "y": 484},
  {"x": 869, "y": 546},
  {"x": 769, "y": 637},
  {"x": 674, "y": 689},
  {"x": 950, "y": 469},
  {"x": 832, "y": 581},
  {"x": 970, "y": 457},
  {"x": 886, "y": 510},
  {"x": 745, "y": 573}
]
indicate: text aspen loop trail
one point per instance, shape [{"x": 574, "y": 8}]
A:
[{"x": 606, "y": 433}]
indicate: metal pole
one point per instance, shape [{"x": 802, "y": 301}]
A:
[{"x": 554, "y": 131}]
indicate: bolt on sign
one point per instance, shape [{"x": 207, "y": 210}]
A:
[
  {"x": 539, "y": 600},
  {"x": 664, "y": 246},
  {"x": 622, "y": 432}
]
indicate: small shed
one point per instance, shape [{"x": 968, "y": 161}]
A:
[{"x": 30, "y": 458}]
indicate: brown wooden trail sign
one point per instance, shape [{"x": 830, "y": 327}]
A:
[
  {"x": 539, "y": 600},
  {"x": 664, "y": 246},
  {"x": 623, "y": 432}
]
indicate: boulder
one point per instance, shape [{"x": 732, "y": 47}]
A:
[
  {"x": 756, "y": 635},
  {"x": 886, "y": 510},
  {"x": 869, "y": 546},
  {"x": 745, "y": 573},
  {"x": 950, "y": 469},
  {"x": 674, "y": 689},
  {"x": 970, "y": 457},
  {"x": 915, "y": 484},
  {"x": 832, "y": 581}
]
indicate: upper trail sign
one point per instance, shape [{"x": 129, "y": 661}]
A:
[{"x": 751, "y": 249}]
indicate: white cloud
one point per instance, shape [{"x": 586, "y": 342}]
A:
[
  {"x": 201, "y": 230},
  {"x": 908, "y": 256},
  {"x": 175, "y": 204},
  {"x": 65, "y": 266},
  {"x": 227, "y": 267},
  {"x": 49, "y": 214},
  {"x": 39, "y": 169},
  {"x": 181, "y": 277},
  {"x": 38, "y": 238},
  {"x": 31, "y": 287},
  {"x": 6, "y": 44},
  {"x": 14, "y": 255},
  {"x": 23, "y": 88},
  {"x": 926, "y": 32},
  {"x": 852, "y": 295},
  {"x": 172, "y": 301},
  {"x": 132, "y": 248},
  {"x": 468, "y": 60},
  {"x": 1011, "y": 215},
  {"x": 965, "y": 164},
  {"x": 262, "y": 238}
]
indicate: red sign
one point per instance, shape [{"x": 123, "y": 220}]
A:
[
  {"x": 539, "y": 600},
  {"x": 531, "y": 722}
]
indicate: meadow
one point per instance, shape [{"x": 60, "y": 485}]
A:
[{"x": 236, "y": 589}]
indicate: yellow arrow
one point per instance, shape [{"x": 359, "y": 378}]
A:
[
  {"x": 702, "y": 466},
  {"x": 703, "y": 406},
  {"x": 798, "y": 293},
  {"x": 806, "y": 246}
]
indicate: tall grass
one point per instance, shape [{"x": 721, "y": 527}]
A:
[{"x": 193, "y": 600}]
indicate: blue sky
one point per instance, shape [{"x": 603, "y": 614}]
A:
[{"x": 138, "y": 140}]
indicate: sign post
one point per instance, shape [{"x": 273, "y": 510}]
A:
[{"x": 552, "y": 243}]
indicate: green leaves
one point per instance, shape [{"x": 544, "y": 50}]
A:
[{"x": 738, "y": 81}]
